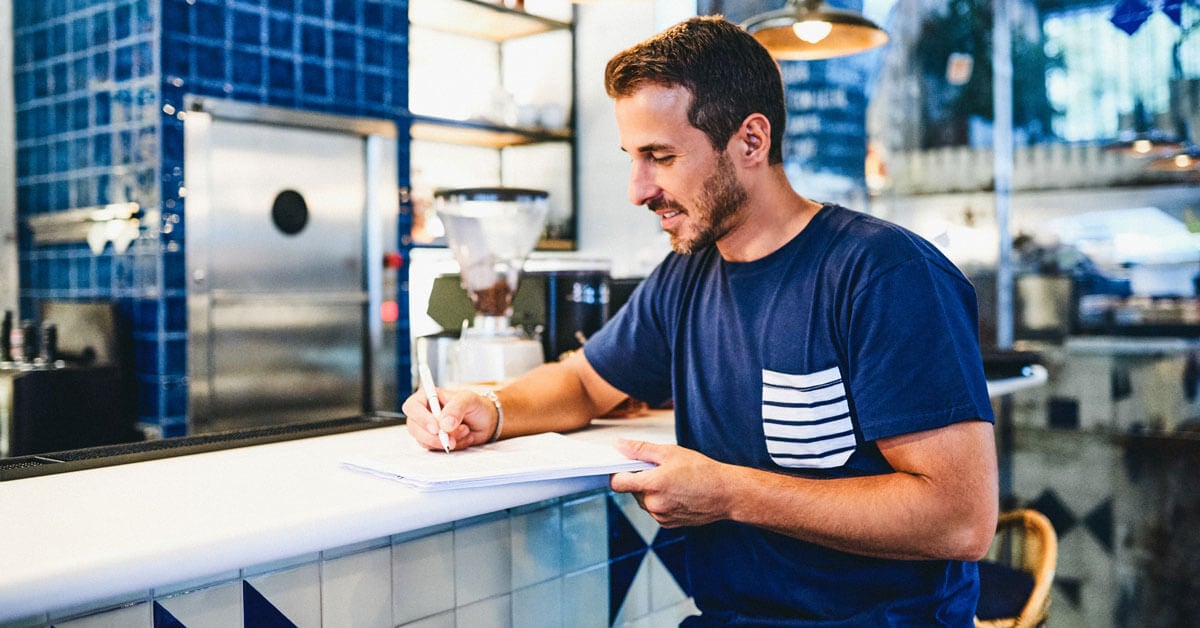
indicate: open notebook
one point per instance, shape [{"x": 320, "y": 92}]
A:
[{"x": 524, "y": 459}]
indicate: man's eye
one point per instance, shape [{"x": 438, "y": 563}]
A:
[{"x": 662, "y": 159}]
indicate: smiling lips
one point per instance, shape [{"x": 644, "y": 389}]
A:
[{"x": 667, "y": 211}]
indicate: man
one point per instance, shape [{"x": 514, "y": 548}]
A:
[{"x": 836, "y": 463}]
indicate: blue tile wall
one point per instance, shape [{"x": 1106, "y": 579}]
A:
[{"x": 99, "y": 87}]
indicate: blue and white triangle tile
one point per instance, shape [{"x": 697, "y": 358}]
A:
[
  {"x": 294, "y": 594},
  {"x": 218, "y": 606}
]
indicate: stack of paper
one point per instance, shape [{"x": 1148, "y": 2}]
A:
[{"x": 525, "y": 459}]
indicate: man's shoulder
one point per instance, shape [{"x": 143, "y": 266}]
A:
[{"x": 868, "y": 239}]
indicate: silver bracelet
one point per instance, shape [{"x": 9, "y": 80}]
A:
[{"x": 499, "y": 415}]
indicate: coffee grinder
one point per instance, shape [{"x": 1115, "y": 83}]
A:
[{"x": 491, "y": 231}]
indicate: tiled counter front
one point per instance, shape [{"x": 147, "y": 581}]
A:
[
  {"x": 592, "y": 559},
  {"x": 1111, "y": 506}
]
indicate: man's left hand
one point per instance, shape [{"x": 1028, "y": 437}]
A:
[{"x": 683, "y": 490}]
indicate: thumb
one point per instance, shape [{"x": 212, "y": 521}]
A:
[{"x": 642, "y": 450}]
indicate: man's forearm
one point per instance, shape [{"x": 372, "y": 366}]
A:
[
  {"x": 888, "y": 516},
  {"x": 556, "y": 397},
  {"x": 944, "y": 511}
]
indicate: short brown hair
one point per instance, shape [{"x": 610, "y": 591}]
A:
[{"x": 729, "y": 74}]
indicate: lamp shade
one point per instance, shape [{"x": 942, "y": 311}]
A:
[{"x": 806, "y": 30}]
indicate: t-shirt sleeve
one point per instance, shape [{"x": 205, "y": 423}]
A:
[
  {"x": 913, "y": 347},
  {"x": 632, "y": 351}
]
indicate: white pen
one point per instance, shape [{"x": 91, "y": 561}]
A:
[{"x": 434, "y": 407}]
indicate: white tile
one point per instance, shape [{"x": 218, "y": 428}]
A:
[
  {"x": 442, "y": 620},
  {"x": 585, "y": 598},
  {"x": 494, "y": 612},
  {"x": 27, "y": 622},
  {"x": 196, "y": 584},
  {"x": 664, "y": 591},
  {"x": 294, "y": 592},
  {"x": 536, "y": 546},
  {"x": 356, "y": 590},
  {"x": 356, "y": 548},
  {"x": 97, "y": 606},
  {"x": 135, "y": 616},
  {"x": 216, "y": 607},
  {"x": 280, "y": 565},
  {"x": 539, "y": 606},
  {"x": 482, "y": 560},
  {"x": 423, "y": 576},
  {"x": 585, "y": 532}
]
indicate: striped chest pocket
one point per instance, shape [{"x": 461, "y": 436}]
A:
[{"x": 806, "y": 419}]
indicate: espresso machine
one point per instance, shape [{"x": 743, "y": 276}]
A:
[{"x": 491, "y": 232}]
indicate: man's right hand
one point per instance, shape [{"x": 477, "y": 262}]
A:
[{"x": 468, "y": 418}]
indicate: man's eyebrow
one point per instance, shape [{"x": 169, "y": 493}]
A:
[{"x": 652, "y": 148}]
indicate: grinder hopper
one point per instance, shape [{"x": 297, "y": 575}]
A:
[{"x": 491, "y": 231}]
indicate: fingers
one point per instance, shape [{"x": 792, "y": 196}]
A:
[
  {"x": 642, "y": 450},
  {"x": 465, "y": 417},
  {"x": 626, "y": 482}
]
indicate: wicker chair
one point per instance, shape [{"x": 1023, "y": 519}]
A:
[{"x": 1025, "y": 544}]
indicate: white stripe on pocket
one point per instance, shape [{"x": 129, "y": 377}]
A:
[{"x": 806, "y": 419}]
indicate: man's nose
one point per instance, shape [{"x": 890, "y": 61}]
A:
[{"x": 642, "y": 187}]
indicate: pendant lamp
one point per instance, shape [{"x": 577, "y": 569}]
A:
[{"x": 807, "y": 30}]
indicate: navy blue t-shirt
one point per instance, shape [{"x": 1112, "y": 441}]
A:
[{"x": 855, "y": 330}]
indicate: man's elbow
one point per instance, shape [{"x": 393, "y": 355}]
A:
[{"x": 973, "y": 537}]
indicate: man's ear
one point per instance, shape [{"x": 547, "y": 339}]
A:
[{"x": 755, "y": 137}]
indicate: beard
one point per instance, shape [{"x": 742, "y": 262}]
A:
[{"x": 721, "y": 196}]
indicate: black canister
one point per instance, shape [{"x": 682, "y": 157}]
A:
[
  {"x": 49, "y": 352},
  {"x": 6, "y": 337},
  {"x": 576, "y": 307}
]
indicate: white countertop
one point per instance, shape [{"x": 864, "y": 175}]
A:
[{"x": 73, "y": 538}]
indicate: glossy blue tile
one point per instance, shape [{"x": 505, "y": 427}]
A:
[
  {"x": 101, "y": 67},
  {"x": 174, "y": 272},
  {"x": 58, "y": 78},
  {"x": 375, "y": 54},
  {"x": 101, "y": 28},
  {"x": 175, "y": 17},
  {"x": 247, "y": 27},
  {"x": 280, "y": 33},
  {"x": 58, "y": 40},
  {"x": 209, "y": 61},
  {"x": 281, "y": 74},
  {"x": 175, "y": 316},
  {"x": 345, "y": 85},
  {"x": 143, "y": 60},
  {"x": 123, "y": 63},
  {"x": 312, "y": 80},
  {"x": 208, "y": 20},
  {"x": 314, "y": 8},
  {"x": 176, "y": 397},
  {"x": 247, "y": 69},
  {"x": 122, "y": 21},
  {"x": 345, "y": 46},
  {"x": 312, "y": 40},
  {"x": 176, "y": 358},
  {"x": 81, "y": 29}
]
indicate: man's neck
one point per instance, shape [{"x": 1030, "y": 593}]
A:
[{"x": 770, "y": 219}]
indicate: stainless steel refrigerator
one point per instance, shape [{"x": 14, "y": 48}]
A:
[{"x": 287, "y": 215}]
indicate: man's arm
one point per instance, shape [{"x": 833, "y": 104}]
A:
[
  {"x": 554, "y": 397},
  {"x": 940, "y": 502}
]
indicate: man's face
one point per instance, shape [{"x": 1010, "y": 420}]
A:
[{"x": 675, "y": 172}]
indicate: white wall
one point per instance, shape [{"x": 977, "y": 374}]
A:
[
  {"x": 609, "y": 225},
  {"x": 8, "y": 172}
]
